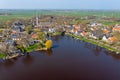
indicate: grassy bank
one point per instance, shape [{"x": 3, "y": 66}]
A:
[
  {"x": 95, "y": 42},
  {"x": 28, "y": 49},
  {"x": 2, "y": 55},
  {"x": 34, "y": 47}
]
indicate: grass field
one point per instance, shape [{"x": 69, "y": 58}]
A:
[{"x": 16, "y": 14}]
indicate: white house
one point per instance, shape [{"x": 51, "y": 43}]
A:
[{"x": 105, "y": 39}]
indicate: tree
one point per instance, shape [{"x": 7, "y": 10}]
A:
[
  {"x": 7, "y": 49},
  {"x": 28, "y": 29},
  {"x": 8, "y": 23},
  {"x": 48, "y": 44},
  {"x": 41, "y": 36}
]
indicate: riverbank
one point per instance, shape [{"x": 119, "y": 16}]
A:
[
  {"x": 23, "y": 50},
  {"x": 36, "y": 47},
  {"x": 2, "y": 55},
  {"x": 95, "y": 42}
]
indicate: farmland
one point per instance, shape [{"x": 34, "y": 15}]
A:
[{"x": 18, "y": 14}]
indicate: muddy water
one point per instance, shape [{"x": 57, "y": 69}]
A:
[{"x": 69, "y": 59}]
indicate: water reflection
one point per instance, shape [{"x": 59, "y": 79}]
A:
[
  {"x": 55, "y": 46},
  {"x": 47, "y": 52},
  {"x": 28, "y": 59},
  {"x": 57, "y": 38},
  {"x": 113, "y": 54},
  {"x": 96, "y": 49},
  {"x": 9, "y": 63}
]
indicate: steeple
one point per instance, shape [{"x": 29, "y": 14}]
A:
[{"x": 36, "y": 19}]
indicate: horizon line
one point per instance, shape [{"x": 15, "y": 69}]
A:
[{"x": 52, "y": 9}]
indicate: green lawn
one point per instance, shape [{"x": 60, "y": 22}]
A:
[
  {"x": 2, "y": 55},
  {"x": 32, "y": 48}
]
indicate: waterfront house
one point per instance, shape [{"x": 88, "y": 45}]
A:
[
  {"x": 112, "y": 39},
  {"x": 93, "y": 36},
  {"x": 84, "y": 33},
  {"x": 74, "y": 31},
  {"x": 15, "y": 30},
  {"x": 69, "y": 29},
  {"x": 105, "y": 38}
]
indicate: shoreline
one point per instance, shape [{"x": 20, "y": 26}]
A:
[
  {"x": 101, "y": 44},
  {"x": 24, "y": 50},
  {"x": 94, "y": 42}
]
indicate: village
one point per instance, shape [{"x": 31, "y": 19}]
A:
[
  {"x": 21, "y": 36},
  {"x": 60, "y": 40},
  {"x": 97, "y": 34}
]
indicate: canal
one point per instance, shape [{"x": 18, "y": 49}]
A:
[{"x": 69, "y": 59}]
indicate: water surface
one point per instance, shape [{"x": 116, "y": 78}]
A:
[{"x": 69, "y": 59}]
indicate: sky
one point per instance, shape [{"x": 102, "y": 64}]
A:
[{"x": 59, "y": 4}]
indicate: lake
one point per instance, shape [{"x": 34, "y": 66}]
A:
[{"x": 69, "y": 59}]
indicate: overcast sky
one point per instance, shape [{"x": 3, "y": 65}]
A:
[{"x": 59, "y": 4}]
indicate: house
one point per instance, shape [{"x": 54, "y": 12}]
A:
[
  {"x": 43, "y": 25},
  {"x": 84, "y": 33},
  {"x": 75, "y": 31},
  {"x": 17, "y": 27},
  {"x": 93, "y": 36},
  {"x": 105, "y": 38},
  {"x": 112, "y": 39},
  {"x": 116, "y": 28},
  {"x": 69, "y": 29},
  {"x": 34, "y": 36},
  {"x": 1, "y": 35},
  {"x": 51, "y": 30},
  {"x": 10, "y": 42},
  {"x": 106, "y": 31},
  {"x": 92, "y": 24},
  {"x": 15, "y": 37},
  {"x": 76, "y": 27}
]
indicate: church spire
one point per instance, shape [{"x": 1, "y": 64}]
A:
[{"x": 36, "y": 19}]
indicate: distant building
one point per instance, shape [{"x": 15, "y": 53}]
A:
[{"x": 18, "y": 27}]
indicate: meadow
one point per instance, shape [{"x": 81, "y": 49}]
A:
[{"x": 22, "y": 14}]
